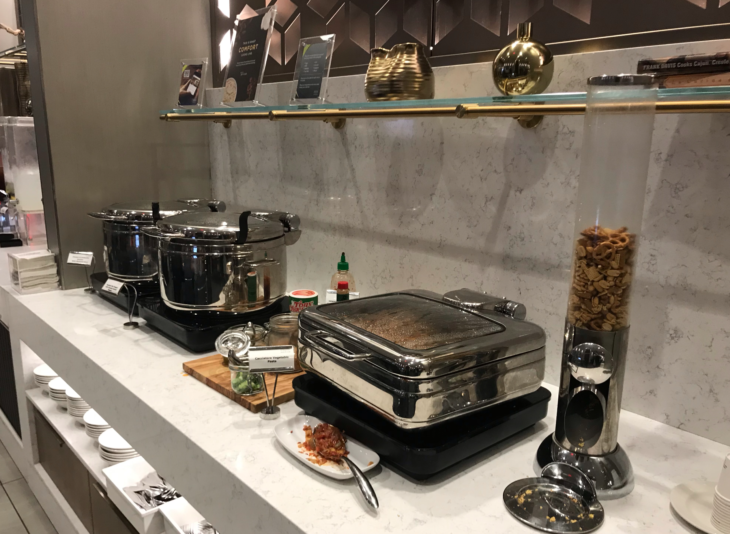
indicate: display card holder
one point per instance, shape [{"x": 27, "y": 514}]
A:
[
  {"x": 312, "y": 70},
  {"x": 193, "y": 74},
  {"x": 249, "y": 51}
]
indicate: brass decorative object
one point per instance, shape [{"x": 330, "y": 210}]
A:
[
  {"x": 376, "y": 85},
  {"x": 403, "y": 74},
  {"x": 524, "y": 67}
]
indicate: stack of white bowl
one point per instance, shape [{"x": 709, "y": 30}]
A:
[
  {"x": 114, "y": 448},
  {"x": 57, "y": 390},
  {"x": 77, "y": 406},
  {"x": 43, "y": 375},
  {"x": 721, "y": 503},
  {"x": 95, "y": 424}
]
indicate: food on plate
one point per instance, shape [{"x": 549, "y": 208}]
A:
[{"x": 324, "y": 443}]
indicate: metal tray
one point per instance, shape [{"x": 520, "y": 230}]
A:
[{"x": 478, "y": 359}]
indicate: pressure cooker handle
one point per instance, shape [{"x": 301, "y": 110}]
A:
[
  {"x": 289, "y": 221},
  {"x": 242, "y": 234},
  {"x": 318, "y": 342},
  {"x": 217, "y": 206}
]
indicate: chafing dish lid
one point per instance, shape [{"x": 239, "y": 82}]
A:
[
  {"x": 412, "y": 322},
  {"x": 219, "y": 226},
  {"x": 142, "y": 211},
  {"x": 417, "y": 334}
]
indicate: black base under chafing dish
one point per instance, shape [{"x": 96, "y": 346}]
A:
[{"x": 423, "y": 452}]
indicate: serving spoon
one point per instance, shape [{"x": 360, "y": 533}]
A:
[{"x": 362, "y": 481}]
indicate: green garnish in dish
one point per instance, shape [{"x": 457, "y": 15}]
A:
[{"x": 244, "y": 383}]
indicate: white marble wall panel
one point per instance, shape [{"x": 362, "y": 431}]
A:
[{"x": 444, "y": 203}]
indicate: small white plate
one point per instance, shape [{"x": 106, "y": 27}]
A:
[
  {"x": 291, "y": 432},
  {"x": 112, "y": 441},
  {"x": 693, "y": 502},
  {"x": 44, "y": 371},
  {"x": 94, "y": 420}
]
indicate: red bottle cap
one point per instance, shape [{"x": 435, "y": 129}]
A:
[{"x": 343, "y": 285}]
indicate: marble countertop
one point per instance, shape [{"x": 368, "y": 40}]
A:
[{"x": 227, "y": 463}]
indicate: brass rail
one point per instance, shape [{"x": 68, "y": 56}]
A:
[
  {"x": 337, "y": 116},
  {"x": 382, "y": 113}
]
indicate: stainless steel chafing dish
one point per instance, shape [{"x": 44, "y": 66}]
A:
[{"x": 420, "y": 358}]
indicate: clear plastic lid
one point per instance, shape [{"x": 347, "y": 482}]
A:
[{"x": 412, "y": 322}]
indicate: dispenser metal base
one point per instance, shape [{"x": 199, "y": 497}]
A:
[{"x": 612, "y": 474}]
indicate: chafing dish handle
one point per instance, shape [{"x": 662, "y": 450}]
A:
[
  {"x": 316, "y": 339},
  {"x": 155, "y": 212}
]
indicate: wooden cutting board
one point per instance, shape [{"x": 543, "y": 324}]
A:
[{"x": 212, "y": 372}]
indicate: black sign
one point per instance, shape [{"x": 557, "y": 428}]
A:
[
  {"x": 312, "y": 68},
  {"x": 248, "y": 57}
]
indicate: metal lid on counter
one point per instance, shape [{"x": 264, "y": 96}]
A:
[{"x": 562, "y": 499}]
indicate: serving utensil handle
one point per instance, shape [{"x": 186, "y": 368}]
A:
[
  {"x": 316, "y": 340},
  {"x": 363, "y": 483}
]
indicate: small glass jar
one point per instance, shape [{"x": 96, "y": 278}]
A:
[
  {"x": 284, "y": 330},
  {"x": 243, "y": 382},
  {"x": 256, "y": 333},
  {"x": 233, "y": 344}
]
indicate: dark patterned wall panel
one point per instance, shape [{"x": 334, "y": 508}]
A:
[
  {"x": 463, "y": 31},
  {"x": 556, "y": 21}
]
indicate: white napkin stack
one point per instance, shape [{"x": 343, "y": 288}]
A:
[{"x": 33, "y": 272}]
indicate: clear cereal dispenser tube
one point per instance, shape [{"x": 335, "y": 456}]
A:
[
  {"x": 618, "y": 128},
  {"x": 614, "y": 166}
]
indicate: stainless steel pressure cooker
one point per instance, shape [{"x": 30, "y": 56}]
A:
[
  {"x": 224, "y": 262},
  {"x": 130, "y": 255}
]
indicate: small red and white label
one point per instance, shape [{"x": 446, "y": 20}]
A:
[{"x": 297, "y": 305}]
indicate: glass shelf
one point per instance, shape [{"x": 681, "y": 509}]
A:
[{"x": 684, "y": 100}]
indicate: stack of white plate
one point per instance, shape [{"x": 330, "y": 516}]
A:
[
  {"x": 43, "y": 375},
  {"x": 720, "y": 517},
  {"x": 57, "y": 389},
  {"x": 95, "y": 424},
  {"x": 77, "y": 406},
  {"x": 114, "y": 448}
]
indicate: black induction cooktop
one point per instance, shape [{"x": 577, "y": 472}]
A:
[
  {"x": 195, "y": 331},
  {"x": 420, "y": 453}
]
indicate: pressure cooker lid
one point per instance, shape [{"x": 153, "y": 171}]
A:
[
  {"x": 220, "y": 226},
  {"x": 142, "y": 211}
]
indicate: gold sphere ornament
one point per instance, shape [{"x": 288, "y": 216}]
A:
[{"x": 524, "y": 67}]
